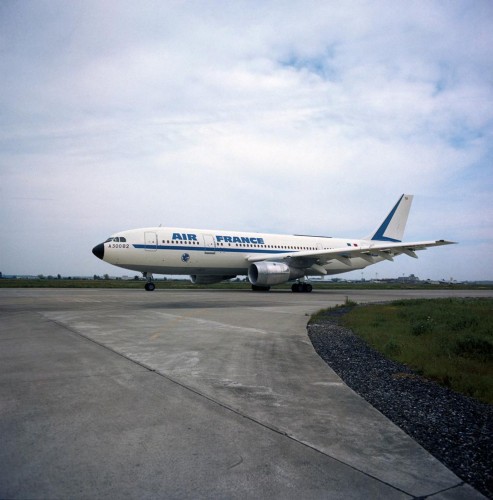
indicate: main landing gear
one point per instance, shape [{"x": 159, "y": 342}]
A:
[
  {"x": 301, "y": 287},
  {"x": 298, "y": 287},
  {"x": 149, "y": 286}
]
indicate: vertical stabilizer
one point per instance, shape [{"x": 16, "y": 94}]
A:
[{"x": 392, "y": 228}]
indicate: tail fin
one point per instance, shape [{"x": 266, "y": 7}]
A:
[{"x": 392, "y": 228}]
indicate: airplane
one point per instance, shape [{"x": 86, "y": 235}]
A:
[{"x": 210, "y": 256}]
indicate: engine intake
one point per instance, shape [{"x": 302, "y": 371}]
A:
[{"x": 272, "y": 273}]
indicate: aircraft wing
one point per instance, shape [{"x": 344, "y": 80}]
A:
[{"x": 316, "y": 259}]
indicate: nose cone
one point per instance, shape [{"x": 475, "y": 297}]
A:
[{"x": 98, "y": 251}]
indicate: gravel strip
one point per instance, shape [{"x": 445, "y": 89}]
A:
[{"x": 455, "y": 429}]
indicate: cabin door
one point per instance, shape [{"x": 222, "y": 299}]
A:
[
  {"x": 209, "y": 243},
  {"x": 150, "y": 241}
]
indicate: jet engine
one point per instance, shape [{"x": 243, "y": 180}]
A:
[
  {"x": 207, "y": 279},
  {"x": 272, "y": 273}
]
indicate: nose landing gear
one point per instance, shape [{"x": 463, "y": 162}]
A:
[{"x": 149, "y": 286}]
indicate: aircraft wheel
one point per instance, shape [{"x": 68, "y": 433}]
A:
[
  {"x": 150, "y": 287},
  {"x": 301, "y": 287}
]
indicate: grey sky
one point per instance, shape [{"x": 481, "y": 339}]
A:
[{"x": 296, "y": 117}]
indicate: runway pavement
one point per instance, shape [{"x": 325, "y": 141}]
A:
[{"x": 192, "y": 394}]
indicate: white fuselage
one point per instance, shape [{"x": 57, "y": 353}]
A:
[{"x": 164, "y": 250}]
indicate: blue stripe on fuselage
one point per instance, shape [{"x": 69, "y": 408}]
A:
[{"x": 210, "y": 249}]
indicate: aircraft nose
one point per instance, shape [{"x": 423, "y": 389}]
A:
[{"x": 98, "y": 251}]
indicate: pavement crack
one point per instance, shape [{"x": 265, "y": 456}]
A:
[{"x": 236, "y": 464}]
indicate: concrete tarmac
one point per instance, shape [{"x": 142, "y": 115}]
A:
[{"x": 192, "y": 394}]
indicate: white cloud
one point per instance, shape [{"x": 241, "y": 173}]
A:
[{"x": 302, "y": 117}]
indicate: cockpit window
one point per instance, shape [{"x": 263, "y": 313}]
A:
[{"x": 120, "y": 239}]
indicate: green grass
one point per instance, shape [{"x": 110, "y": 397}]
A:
[
  {"x": 447, "y": 340},
  {"x": 343, "y": 308}
]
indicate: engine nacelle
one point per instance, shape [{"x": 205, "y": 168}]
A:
[
  {"x": 272, "y": 273},
  {"x": 208, "y": 279}
]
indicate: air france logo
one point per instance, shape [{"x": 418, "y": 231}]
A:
[
  {"x": 184, "y": 237},
  {"x": 185, "y": 257},
  {"x": 238, "y": 239},
  {"x": 220, "y": 238}
]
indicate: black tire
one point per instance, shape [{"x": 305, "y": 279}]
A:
[
  {"x": 301, "y": 287},
  {"x": 150, "y": 287}
]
